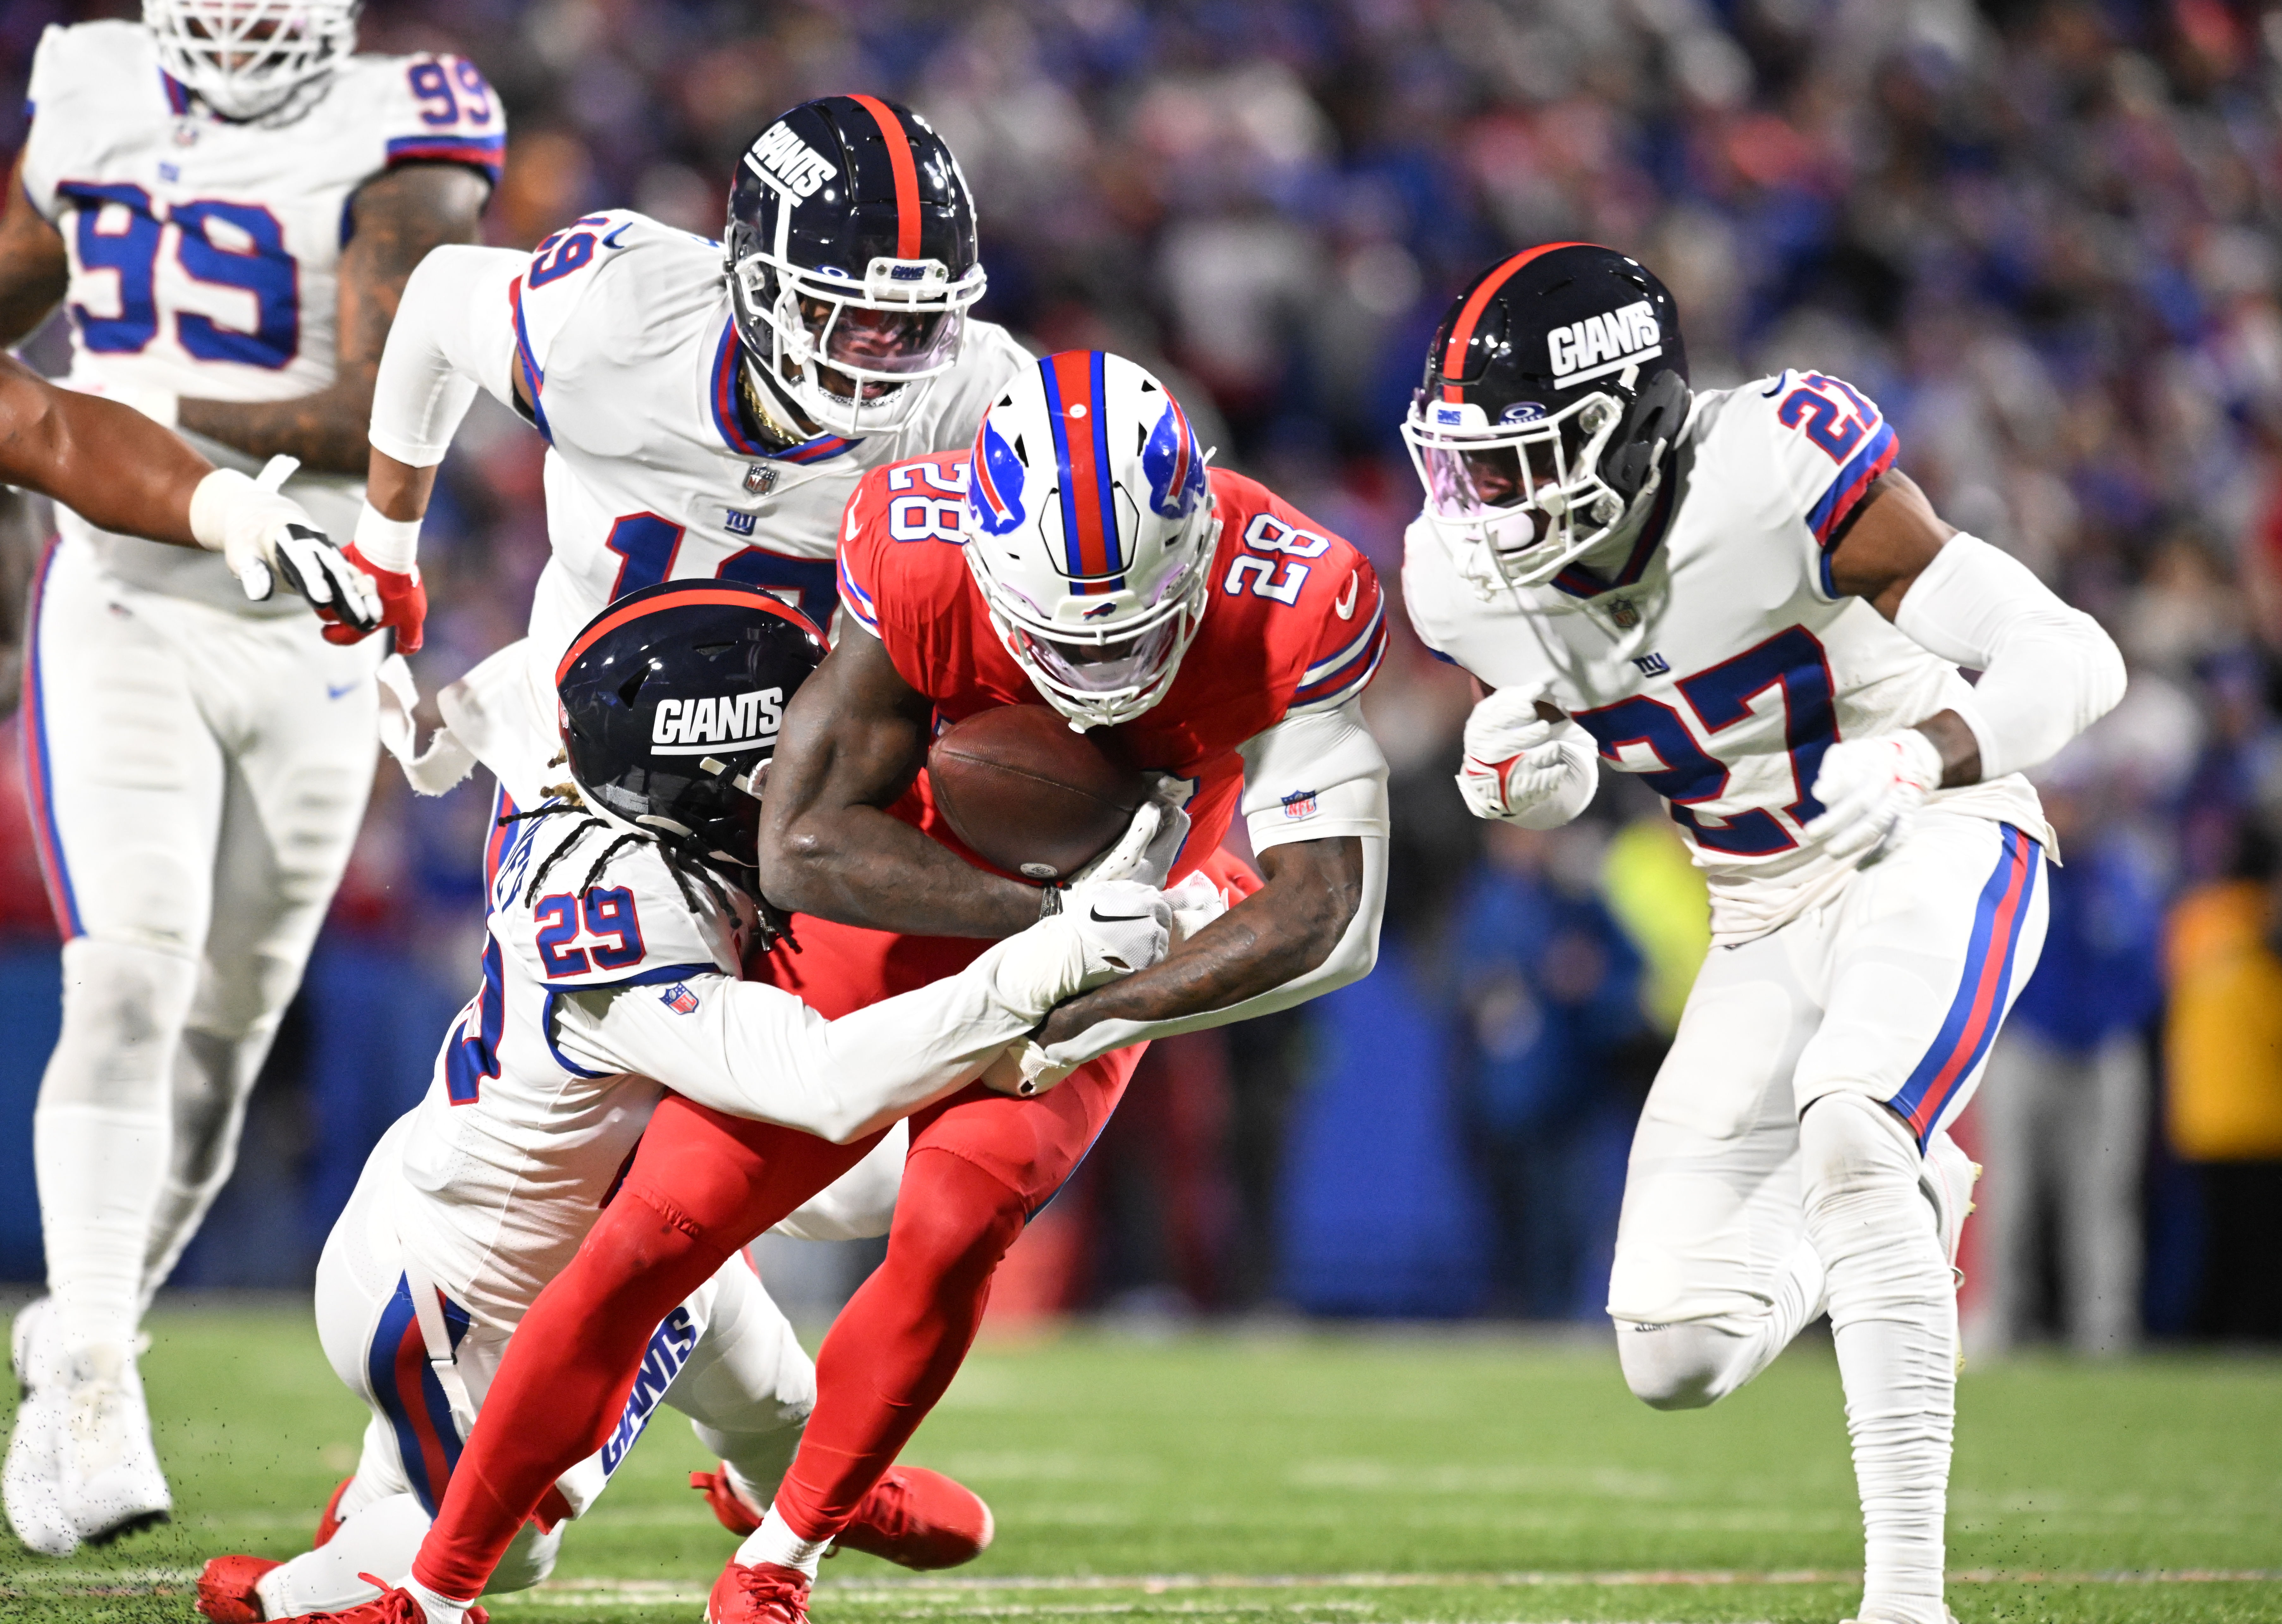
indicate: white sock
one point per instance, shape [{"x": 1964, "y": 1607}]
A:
[
  {"x": 99, "y": 1168},
  {"x": 439, "y": 1609},
  {"x": 102, "y": 1134},
  {"x": 1893, "y": 1316},
  {"x": 381, "y": 1538},
  {"x": 775, "y": 1542}
]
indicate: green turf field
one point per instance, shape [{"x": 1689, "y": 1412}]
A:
[{"x": 1361, "y": 1477}]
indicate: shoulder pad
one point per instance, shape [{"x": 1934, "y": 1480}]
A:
[{"x": 430, "y": 109}]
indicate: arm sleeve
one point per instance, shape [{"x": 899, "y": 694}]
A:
[
  {"x": 2048, "y": 671},
  {"x": 455, "y": 330},
  {"x": 1351, "y": 960},
  {"x": 1313, "y": 777},
  {"x": 753, "y": 1050}
]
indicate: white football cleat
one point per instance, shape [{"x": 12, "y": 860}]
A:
[
  {"x": 112, "y": 1484},
  {"x": 31, "y": 1484},
  {"x": 1948, "y": 1181}
]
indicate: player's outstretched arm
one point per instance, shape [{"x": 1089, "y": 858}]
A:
[
  {"x": 115, "y": 467},
  {"x": 854, "y": 737},
  {"x": 398, "y": 217},
  {"x": 34, "y": 268},
  {"x": 751, "y": 1050}
]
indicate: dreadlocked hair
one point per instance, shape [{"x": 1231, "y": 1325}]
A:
[{"x": 531, "y": 892}]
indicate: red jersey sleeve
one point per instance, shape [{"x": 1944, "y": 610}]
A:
[
  {"x": 902, "y": 574},
  {"x": 1350, "y": 643}
]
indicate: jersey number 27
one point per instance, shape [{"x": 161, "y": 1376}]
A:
[{"x": 1791, "y": 664}]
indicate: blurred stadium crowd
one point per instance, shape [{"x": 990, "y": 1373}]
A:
[{"x": 2043, "y": 236}]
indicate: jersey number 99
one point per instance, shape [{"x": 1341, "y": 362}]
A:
[{"x": 216, "y": 241}]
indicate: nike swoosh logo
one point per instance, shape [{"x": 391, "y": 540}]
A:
[
  {"x": 611, "y": 241},
  {"x": 852, "y": 527},
  {"x": 1099, "y": 917},
  {"x": 341, "y": 691},
  {"x": 1345, "y": 606}
]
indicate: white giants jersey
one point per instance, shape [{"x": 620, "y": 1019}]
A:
[
  {"x": 507, "y": 1159},
  {"x": 625, "y": 343},
  {"x": 204, "y": 252},
  {"x": 1719, "y": 662}
]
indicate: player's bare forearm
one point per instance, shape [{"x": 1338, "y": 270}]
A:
[
  {"x": 399, "y": 216},
  {"x": 34, "y": 268},
  {"x": 109, "y": 463},
  {"x": 1888, "y": 540},
  {"x": 1287, "y": 927},
  {"x": 854, "y": 737}
]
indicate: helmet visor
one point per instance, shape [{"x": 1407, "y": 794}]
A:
[
  {"x": 1114, "y": 665},
  {"x": 867, "y": 341}
]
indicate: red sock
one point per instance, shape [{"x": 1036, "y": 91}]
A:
[
  {"x": 902, "y": 1337},
  {"x": 702, "y": 1186}
]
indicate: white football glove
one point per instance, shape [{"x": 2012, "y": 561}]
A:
[
  {"x": 1146, "y": 852},
  {"x": 1196, "y": 902},
  {"x": 263, "y": 535},
  {"x": 1520, "y": 768},
  {"x": 1871, "y": 790},
  {"x": 1110, "y": 929}
]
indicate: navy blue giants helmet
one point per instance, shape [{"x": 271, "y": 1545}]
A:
[
  {"x": 852, "y": 261},
  {"x": 671, "y": 701},
  {"x": 1554, "y": 388}
]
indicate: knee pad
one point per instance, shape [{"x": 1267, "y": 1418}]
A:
[
  {"x": 123, "y": 1014},
  {"x": 529, "y": 1557},
  {"x": 1685, "y": 1365}
]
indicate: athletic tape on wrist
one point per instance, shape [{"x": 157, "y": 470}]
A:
[{"x": 385, "y": 543}]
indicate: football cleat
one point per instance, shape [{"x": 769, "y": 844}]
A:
[
  {"x": 329, "y": 1520},
  {"x": 111, "y": 1483},
  {"x": 393, "y": 1606},
  {"x": 921, "y": 1519},
  {"x": 31, "y": 1483},
  {"x": 760, "y": 1593},
  {"x": 226, "y": 1592},
  {"x": 730, "y": 1509}
]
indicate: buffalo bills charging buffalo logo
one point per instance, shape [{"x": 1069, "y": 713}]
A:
[
  {"x": 1170, "y": 460},
  {"x": 995, "y": 493}
]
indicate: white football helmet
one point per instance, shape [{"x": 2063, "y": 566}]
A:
[
  {"x": 246, "y": 57},
  {"x": 1091, "y": 532}
]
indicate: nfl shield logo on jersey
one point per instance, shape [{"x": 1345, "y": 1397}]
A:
[
  {"x": 1299, "y": 804},
  {"x": 680, "y": 999},
  {"x": 760, "y": 477}
]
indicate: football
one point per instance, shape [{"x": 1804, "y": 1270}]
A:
[{"x": 1026, "y": 793}]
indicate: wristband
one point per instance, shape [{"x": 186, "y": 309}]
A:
[
  {"x": 388, "y": 544},
  {"x": 213, "y": 501}
]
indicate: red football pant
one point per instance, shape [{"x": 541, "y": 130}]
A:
[
  {"x": 981, "y": 1164},
  {"x": 701, "y": 1186}
]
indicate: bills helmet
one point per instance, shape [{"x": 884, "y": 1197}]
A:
[
  {"x": 851, "y": 260},
  {"x": 245, "y": 59},
  {"x": 1553, "y": 389},
  {"x": 1091, "y": 532},
  {"x": 671, "y": 701}
]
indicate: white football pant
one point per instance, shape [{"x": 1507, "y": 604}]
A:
[
  {"x": 195, "y": 780},
  {"x": 727, "y": 1358},
  {"x": 1779, "y": 1166}
]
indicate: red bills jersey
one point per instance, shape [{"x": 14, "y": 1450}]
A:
[{"x": 1295, "y": 624}]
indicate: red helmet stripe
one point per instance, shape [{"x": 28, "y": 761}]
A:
[
  {"x": 1462, "y": 332},
  {"x": 696, "y": 593},
  {"x": 907, "y": 174},
  {"x": 1091, "y": 546}
]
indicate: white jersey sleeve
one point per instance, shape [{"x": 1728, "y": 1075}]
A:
[
  {"x": 433, "y": 109},
  {"x": 454, "y": 332},
  {"x": 1315, "y": 776},
  {"x": 1827, "y": 442},
  {"x": 752, "y": 1050}
]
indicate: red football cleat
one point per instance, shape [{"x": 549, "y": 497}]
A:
[
  {"x": 328, "y": 1521},
  {"x": 761, "y": 1594},
  {"x": 729, "y": 1507},
  {"x": 920, "y": 1519},
  {"x": 226, "y": 1589},
  {"x": 393, "y": 1606}
]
